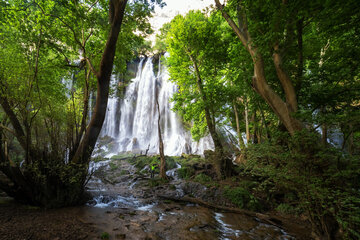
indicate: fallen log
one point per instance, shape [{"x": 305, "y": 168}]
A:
[{"x": 261, "y": 217}]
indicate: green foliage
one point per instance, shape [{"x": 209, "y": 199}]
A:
[
  {"x": 122, "y": 156},
  {"x": 105, "y": 236},
  {"x": 322, "y": 181},
  {"x": 186, "y": 172},
  {"x": 203, "y": 179},
  {"x": 242, "y": 198},
  {"x": 286, "y": 208},
  {"x": 113, "y": 166},
  {"x": 197, "y": 56}
]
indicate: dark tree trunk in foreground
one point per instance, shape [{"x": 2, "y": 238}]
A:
[{"x": 46, "y": 179}]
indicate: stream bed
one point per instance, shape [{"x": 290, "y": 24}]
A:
[{"x": 124, "y": 206}]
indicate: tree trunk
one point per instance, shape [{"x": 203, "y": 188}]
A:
[
  {"x": 86, "y": 147},
  {"x": 222, "y": 165},
  {"x": 284, "y": 110},
  {"x": 241, "y": 140},
  {"x": 247, "y": 121},
  {"x": 161, "y": 147}
]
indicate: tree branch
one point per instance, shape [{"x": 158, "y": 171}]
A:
[
  {"x": 20, "y": 135},
  {"x": 243, "y": 36},
  {"x": 8, "y": 129},
  {"x": 92, "y": 67},
  {"x": 285, "y": 80}
]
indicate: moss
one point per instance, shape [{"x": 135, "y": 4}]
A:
[
  {"x": 113, "y": 166},
  {"x": 123, "y": 172},
  {"x": 98, "y": 159},
  {"x": 186, "y": 159},
  {"x": 122, "y": 156},
  {"x": 157, "y": 182}
]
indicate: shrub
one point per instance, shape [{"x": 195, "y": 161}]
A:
[
  {"x": 286, "y": 208},
  {"x": 203, "y": 178},
  {"x": 242, "y": 198},
  {"x": 324, "y": 181},
  {"x": 186, "y": 172}
]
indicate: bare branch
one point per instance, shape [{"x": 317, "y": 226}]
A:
[{"x": 92, "y": 68}]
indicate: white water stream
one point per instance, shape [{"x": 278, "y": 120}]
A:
[{"x": 133, "y": 120}]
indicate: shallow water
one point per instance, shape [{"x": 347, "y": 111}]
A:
[{"x": 130, "y": 210}]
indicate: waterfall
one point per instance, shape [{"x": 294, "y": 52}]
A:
[{"x": 132, "y": 121}]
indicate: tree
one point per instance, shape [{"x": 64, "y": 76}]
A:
[
  {"x": 32, "y": 95},
  {"x": 196, "y": 59},
  {"x": 283, "y": 109}
]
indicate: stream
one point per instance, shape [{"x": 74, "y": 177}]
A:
[{"x": 126, "y": 208}]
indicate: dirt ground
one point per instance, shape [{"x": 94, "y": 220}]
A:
[{"x": 19, "y": 222}]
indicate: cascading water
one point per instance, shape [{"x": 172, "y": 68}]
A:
[{"x": 133, "y": 120}]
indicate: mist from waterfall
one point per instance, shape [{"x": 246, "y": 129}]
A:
[{"x": 133, "y": 121}]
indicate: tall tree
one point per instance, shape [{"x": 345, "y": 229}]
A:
[
  {"x": 49, "y": 33},
  {"x": 196, "y": 57},
  {"x": 283, "y": 109}
]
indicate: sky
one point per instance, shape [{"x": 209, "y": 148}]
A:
[{"x": 172, "y": 8}]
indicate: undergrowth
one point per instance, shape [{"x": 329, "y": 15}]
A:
[{"x": 304, "y": 176}]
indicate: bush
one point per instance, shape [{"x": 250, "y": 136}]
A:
[
  {"x": 203, "y": 179},
  {"x": 286, "y": 208},
  {"x": 242, "y": 198},
  {"x": 324, "y": 181},
  {"x": 186, "y": 172}
]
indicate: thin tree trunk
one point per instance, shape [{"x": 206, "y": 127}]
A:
[
  {"x": 223, "y": 166},
  {"x": 247, "y": 121},
  {"x": 300, "y": 67},
  {"x": 241, "y": 140},
  {"x": 264, "y": 122},
  {"x": 324, "y": 134},
  {"x": 211, "y": 126},
  {"x": 161, "y": 147}
]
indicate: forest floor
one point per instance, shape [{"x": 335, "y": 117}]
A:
[{"x": 126, "y": 205}]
